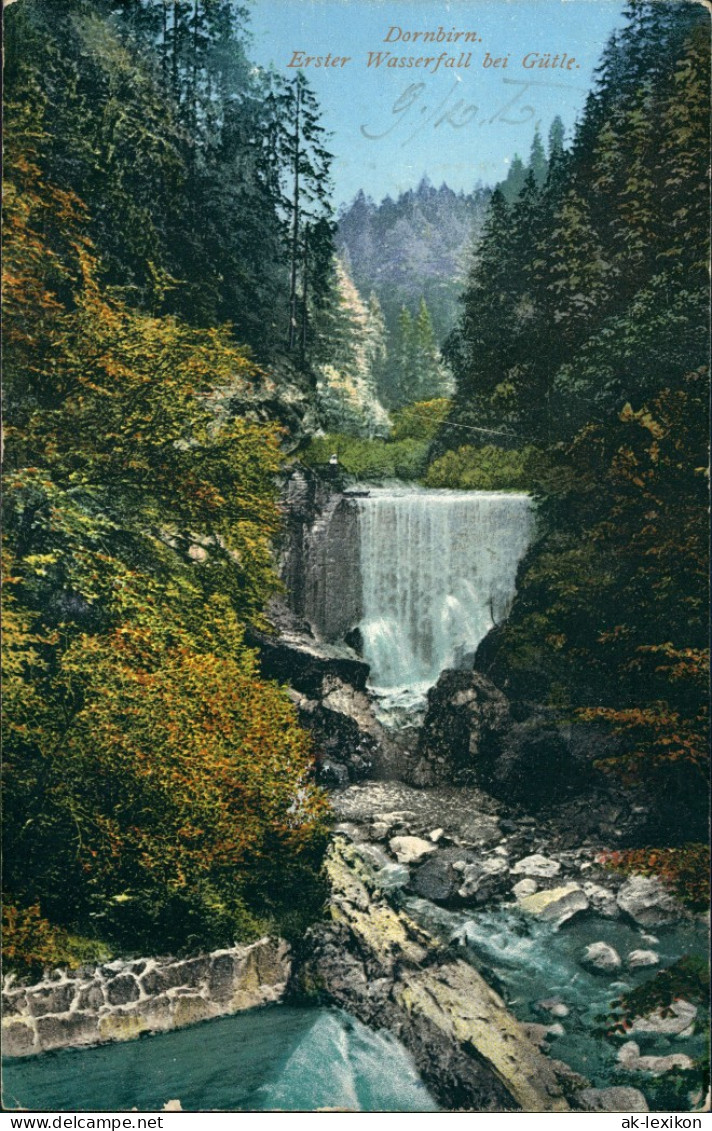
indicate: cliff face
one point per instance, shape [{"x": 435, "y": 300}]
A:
[{"x": 320, "y": 554}]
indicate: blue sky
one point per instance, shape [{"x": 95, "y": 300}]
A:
[{"x": 459, "y": 125}]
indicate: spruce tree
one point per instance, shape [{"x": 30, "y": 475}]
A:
[{"x": 537, "y": 159}]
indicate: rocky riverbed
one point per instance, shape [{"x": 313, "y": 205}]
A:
[
  {"x": 485, "y": 824},
  {"x": 554, "y": 935}
]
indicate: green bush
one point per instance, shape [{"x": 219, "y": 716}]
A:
[
  {"x": 485, "y": 469},
  {"x": 420, "y": 421},
  {"x": 369, "y": 459}
]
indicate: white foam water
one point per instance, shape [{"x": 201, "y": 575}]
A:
[{"x": 438, "y": 571}]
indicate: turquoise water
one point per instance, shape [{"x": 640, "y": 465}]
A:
[
  {"x": 528, "y": 961},
  {"x": 276, "y": 1059}
]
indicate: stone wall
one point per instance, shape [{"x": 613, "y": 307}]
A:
[{"x": 122, "y": 999}]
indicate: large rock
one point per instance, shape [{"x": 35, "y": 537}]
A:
[
  {"x": 483, "y": 879},
  {"x": 673, "y": 1021},
  {"x": 537, "y": 865},
  {"x": 410, "y": 849},
  {"x": 545, "y": 762},
  {"x": 555, "y": 905},
  {"x": 638, "y": 958},
  {"x": 327, "y": 683},
  {"x": 524, "y": 888},
  {"x": 303, "y": 662},
  {"x": 437, "y": 879},
  {"x": 630, "y": 1059},
  {"x": 647, "y": 902},
  {"x": 381, "y": 966},
  {"x": 612, "y": 1099},
  {"x": 602, "y": 900},
  {"x": 465, "y": 724},
  {"x": 600, "y": 958},
  {"x": 349, "y": 742}
]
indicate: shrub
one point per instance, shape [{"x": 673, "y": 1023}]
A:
[
  {"x": 31, "y": 943},
  {"x": 421, "y": 420},
  {"x": 485, "y": 469},
  {"x": 370, "y": 460},
  {"x": 684, "y": 870}
]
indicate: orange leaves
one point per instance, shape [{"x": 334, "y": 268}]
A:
[
  {"x": 684, "y": 869},
  {"x": 144, "y": 757},
  {"x": 206, "y": 763},
  {"x": 658, "y": 737}
]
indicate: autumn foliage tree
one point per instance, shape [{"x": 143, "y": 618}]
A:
[{"x": 157, "y": 791}]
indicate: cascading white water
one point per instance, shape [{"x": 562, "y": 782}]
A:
[{"x": 437, "y": 572}]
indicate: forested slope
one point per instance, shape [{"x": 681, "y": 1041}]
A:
[
  {"x": 584, "y": 336},
  {"x": 410, "y": 256},
  {"x": 158, "y": 793}
]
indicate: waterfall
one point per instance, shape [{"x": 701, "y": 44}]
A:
[
  {"x": 424, "y": 575},
  {"x": 437, "y": 572}
]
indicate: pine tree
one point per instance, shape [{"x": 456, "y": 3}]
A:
[
  {"x": 404, "y": 358},
  {"x": 556, "y": 139},
  {"x": 346, "y": 386},
  {"x": 431, "y": 376},
  {"x": 513, "y": 183},
  {"x": 377, "y": 346},
  {"x": 537, "y": 159},
  {"x": 299, "y": 142}
]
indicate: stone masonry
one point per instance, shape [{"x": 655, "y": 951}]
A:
[{"x": 120, "y": 1000}]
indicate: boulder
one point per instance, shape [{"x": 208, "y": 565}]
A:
[
  {"x": 437, "y": 879},
  {"x": 600, "y": 958},
  {"x": 537, "y": 865},
  {"x": 303, "y": 662},
  {"x": 611, "y": 1099},
  {"x": 524, "y": 888},
  {"x": 410, "y": 849},
  {"x": 638, "y": 958},
  {"x": 555, "y": 1006},
  {"x": 535, "y": 765},
  {"x": 537, "y": 1034},
  {"x": 380, "y": 830},
  {"x": 602, "y": 900},
  {"x": 647, "y": 902},
  {"x": 348, "y": 739},
  {"x": 670, "y": 1022},
  {"x": 480, "y": 881},
  {"x": 555, "y": 905},
  {"x": 465, "y": 723},
  {"x": 630, "y": 1059}
]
